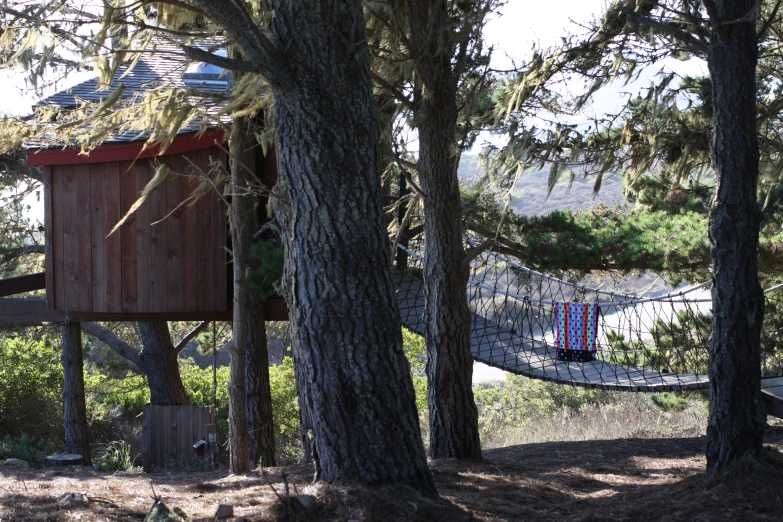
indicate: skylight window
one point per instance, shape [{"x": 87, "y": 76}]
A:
[{"x": 206, "y": 75}]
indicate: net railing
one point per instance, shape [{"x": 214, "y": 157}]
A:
[{"x": 642, "y": 342}]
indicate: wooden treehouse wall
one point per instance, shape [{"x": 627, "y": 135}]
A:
[{"x": 176, "y": 265}]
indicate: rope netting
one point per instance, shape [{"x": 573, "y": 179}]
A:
[{"x": 641, "y": 343}]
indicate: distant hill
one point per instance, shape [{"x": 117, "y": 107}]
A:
[{"x": 530, "y": 193}]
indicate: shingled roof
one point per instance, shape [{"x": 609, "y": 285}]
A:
[{"x": 162, "y": 65}]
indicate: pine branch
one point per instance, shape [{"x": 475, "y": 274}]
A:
[
  {"x": 238, "y": 23},
  {"x": 678, "y": 34},
  {"x": 14, "y": 253},
  {"x": 393, "y": 91},
  {"x": 189, "y": 337},
  {"x": 200, "y": 55},
  {"x": 105, "y": 335},
  {"x": 768, "y": 22}
]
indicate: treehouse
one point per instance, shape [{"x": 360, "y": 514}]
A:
[{"x": 169, "y": 259}]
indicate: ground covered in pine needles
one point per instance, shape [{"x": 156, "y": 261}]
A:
[{"x": 631, "y": 479}]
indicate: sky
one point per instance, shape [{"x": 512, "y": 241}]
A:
[{"x": 520, "y": 24}]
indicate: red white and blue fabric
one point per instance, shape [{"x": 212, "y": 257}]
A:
[{"x": 577, "y": 326}]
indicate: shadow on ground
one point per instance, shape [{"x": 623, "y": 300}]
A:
[{"x": 631, "y": 479}]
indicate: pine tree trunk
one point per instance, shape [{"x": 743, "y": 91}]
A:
[
  {"x": 282, "y": 213},
  {"x": 736, "y": 422},
  {"x": 345, "y": 321},
  {"x": 77, "y": 435},
  {"x": 258, "y": 389},
  {"x": 453, "y": 413},
  {"x": 238, "y": 435},
  {"x": 159, "y": 362},
  {"x": 258, "y": 396}
]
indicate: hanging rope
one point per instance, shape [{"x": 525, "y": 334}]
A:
[{"x": 653, "y": 343}]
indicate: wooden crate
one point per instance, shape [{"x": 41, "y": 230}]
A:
[{"x": 169, "y": 432}]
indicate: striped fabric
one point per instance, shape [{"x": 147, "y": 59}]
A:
[{"x": 577, "y": 326}]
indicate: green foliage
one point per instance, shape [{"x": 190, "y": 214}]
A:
[
  {"x": 520, "y": 399},
  {"x": 621, "y": 239},
  {"x": 679, "y": 346},
  {"x": 105, "y": 393},
  {"x": 416, "y": 351},
  {"x": 285, "y": 411},
  {"x": 663, "y": 193},
  {"x": 669, "y": 402},
  {"x": 109, "y": 397},
  {"x": 31, "y": 383},
  {"x": 31, "y": 449},
  {"x": 116, "y": 456},
  {"x": 268, "y": 265},
  {"x": 130, "y": 393}
]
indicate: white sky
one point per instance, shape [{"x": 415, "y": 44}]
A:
[{"x": 521, "y": 24}]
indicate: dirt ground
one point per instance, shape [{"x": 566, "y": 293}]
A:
[{"x": 633, "y": 479}]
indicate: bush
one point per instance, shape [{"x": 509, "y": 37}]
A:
[
  {"x": 28, "y": 448},
  {"x": 31, "y": 383},
  {"x": 116, "y": 456},
  {"x": 523, "y": 410},
  {"x": 416, "y": 351},
  {"x": 285, "y": 412}
]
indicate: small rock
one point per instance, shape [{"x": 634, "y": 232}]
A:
[
  {"x": 307, "y": 501},
  {"x": 160, "y": 512},
  {"x": 16, "y": 463},
  {"x": 73, "y": 499},
  {"x": 224, "y": 511}
]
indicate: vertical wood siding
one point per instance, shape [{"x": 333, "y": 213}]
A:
[
  {"x": 175, "y": 265},
  {"x": 169, "y": 433}
]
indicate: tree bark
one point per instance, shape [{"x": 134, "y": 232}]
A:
[
  {"x": 282, "y": 213},
  {"x": 736, "y": 421},
  {"x": 159, "y": 362},
  {"x": 248, "y": 321},
  {"x": 77, "y": 434},
  {"x": 158, "y": 359},
  {"x": 258, "y": 388},
  {"x": 453, "y": 413},
  {"x": 344, "y": 315},
  {"x": 238, "y": 436}
]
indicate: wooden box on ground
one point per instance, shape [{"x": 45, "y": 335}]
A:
[{"x": 169, "y": 433}]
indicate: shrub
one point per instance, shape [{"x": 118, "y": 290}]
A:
[
  {"x": 25, "y": 447},
  {"x": 31, "y": 383},
  {"x": 116, "y": 456},
  {"x": 416, "y": 351},
  {"x": 669, "y": 402},
  {"x": 285, "y": 411}
]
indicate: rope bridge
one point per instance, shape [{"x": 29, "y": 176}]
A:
[{"x": 636, "y": 343}]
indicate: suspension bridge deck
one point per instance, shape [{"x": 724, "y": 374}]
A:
[
  {"x": 503, "y": 348},
  {"x": 772, "y": 393}
]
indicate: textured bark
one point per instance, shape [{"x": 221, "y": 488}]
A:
[
  {"x": 158, "y": 360},
  {"x": 238, "y": 436},
  {"x": 248, "y": 316},
  {"x": 258, "y": 391},
  {"x": 282, "y": 213},
  {"x": 736, "y": 422},
  {"x": 345, "y": 321},
  {"x": 77, "y": 435},
  {"x": 453, "y": 413}
]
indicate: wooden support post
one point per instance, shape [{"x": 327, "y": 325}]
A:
[{"x": 77, "y": 438}]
